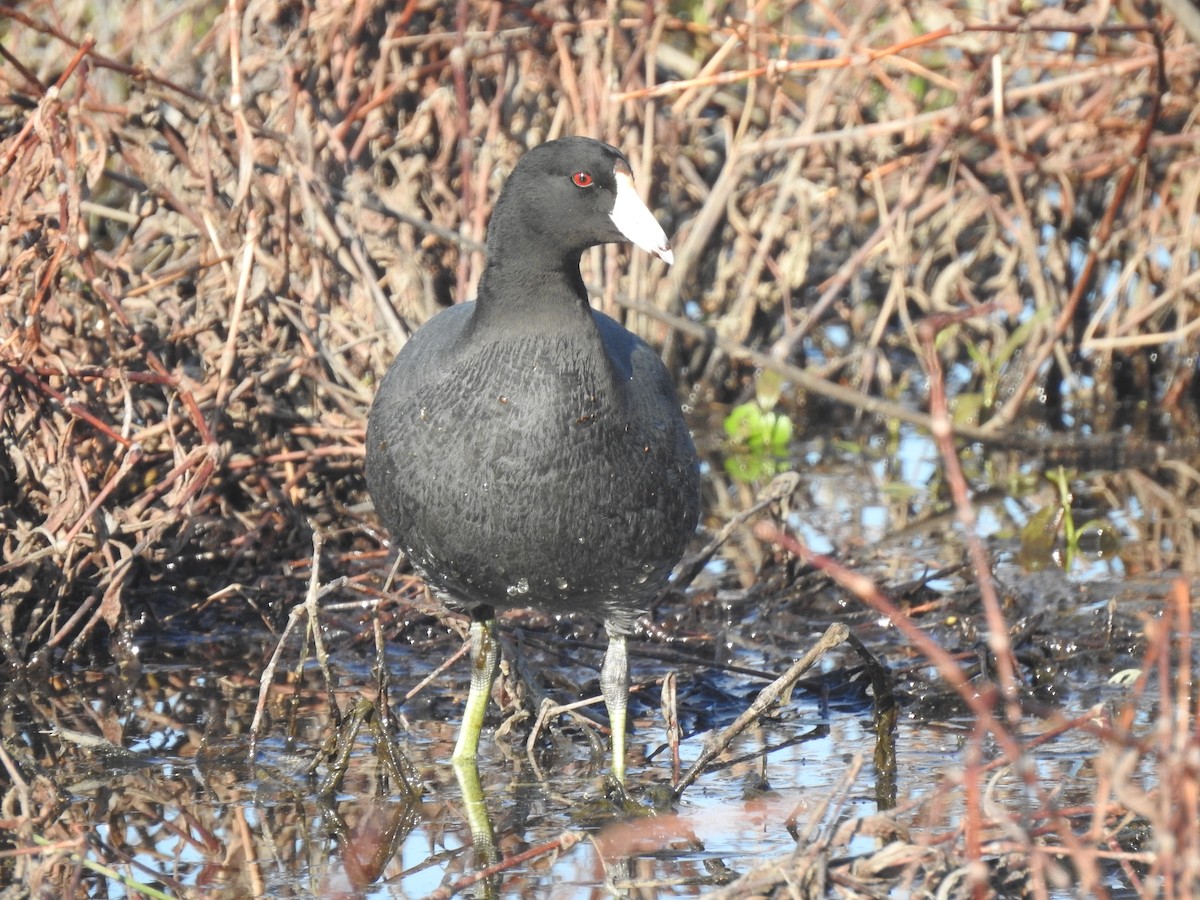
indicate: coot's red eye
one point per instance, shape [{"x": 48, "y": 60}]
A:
[{"x": 582, "y": 179}]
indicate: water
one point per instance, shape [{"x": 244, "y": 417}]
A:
[{"x": 152, "y": 761}]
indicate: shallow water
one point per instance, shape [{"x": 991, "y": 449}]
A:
[
  {"x": 183, "y": 803},
  {"x": 155, "y": 755}
]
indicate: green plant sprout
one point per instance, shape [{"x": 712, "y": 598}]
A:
[
  {"x": 1095, "y": 539},
  {"x": 970, "y": 406},
  {"x": 759, "y": 436}
]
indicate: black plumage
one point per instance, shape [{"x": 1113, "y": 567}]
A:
[{"x": 525, "y": 450}]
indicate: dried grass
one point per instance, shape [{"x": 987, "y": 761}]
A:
[
  {"x": 219, "y": 222},
  {"x": 215, "y": 238}
]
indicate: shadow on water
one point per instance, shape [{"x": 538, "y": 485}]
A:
[{"x": 152, "y": 760}]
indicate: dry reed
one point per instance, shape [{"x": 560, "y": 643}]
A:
[{"x": 219, "y": 221}]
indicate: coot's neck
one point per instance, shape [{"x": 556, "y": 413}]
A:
[{"x": 529, "y": 286}]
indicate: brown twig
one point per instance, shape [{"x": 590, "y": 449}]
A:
[{"x": 767, "y": 698}]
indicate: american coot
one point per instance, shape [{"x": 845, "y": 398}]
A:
[{"x": 525, "y": 450}]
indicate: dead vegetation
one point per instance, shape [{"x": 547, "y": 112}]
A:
[{"x": 218, "y": 223}]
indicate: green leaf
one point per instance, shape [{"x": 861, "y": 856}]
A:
[
  {"x": 748, "y": 425},
  {"x": 1038, "y": 538},
  {"x": 743, "y": 421},
  {"x": 967, "y": 408},
  {"x": 767, "y": 388}
]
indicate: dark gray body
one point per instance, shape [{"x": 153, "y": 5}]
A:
[{"x": 538, "y": 461}]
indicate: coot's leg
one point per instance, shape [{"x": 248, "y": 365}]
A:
[
  {"x": 614, "y": 685},
  {"x": 482, "y": 835},
  {"x": 485, "y": 659}
]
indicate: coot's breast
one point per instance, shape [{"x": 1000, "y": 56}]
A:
[{"x": 533, "y": 469}]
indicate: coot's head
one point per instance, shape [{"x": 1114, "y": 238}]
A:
[{"x": 568, "y": 195}]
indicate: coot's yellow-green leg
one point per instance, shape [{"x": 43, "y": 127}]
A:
[
  {"x": 485, "y": 659},
  {"x": 614, "y": 685},
  {"x": 476, "y": 811}
]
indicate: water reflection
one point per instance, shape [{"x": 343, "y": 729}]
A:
[
  {"x": 150, "y": 760},
  {"x": 158, "y": 768}
]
